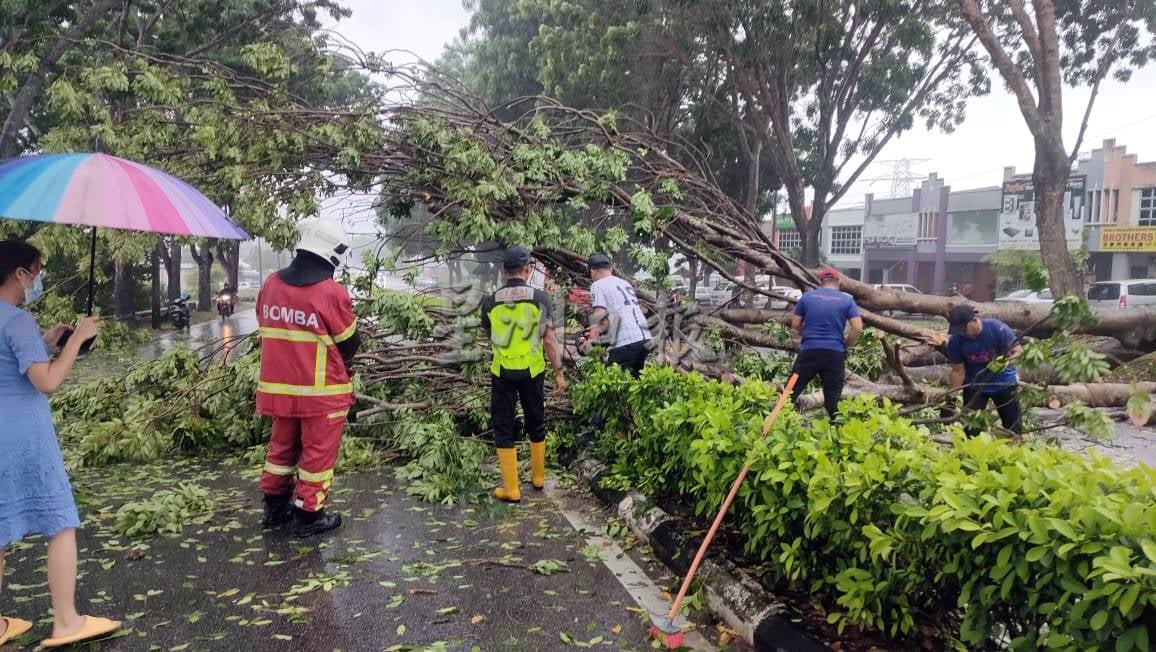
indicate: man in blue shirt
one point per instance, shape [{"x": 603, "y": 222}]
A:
[
  {"x": 821, "y": 315},
  {"x": 979, "y": 350}
]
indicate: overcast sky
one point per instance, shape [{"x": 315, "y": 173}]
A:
[{"x": 993, "y": 136}]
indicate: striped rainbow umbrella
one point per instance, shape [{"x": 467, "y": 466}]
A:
[{"x": 99, "y": 190}]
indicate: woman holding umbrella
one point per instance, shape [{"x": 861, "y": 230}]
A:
[{"x": 35, "y": 494}]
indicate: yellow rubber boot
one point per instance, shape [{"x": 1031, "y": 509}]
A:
[
  {"x": 538, "y": 465},
  {"x": 509, "y": 491}
]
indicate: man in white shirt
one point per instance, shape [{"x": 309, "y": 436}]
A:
[{"x": 617, "y": 320}]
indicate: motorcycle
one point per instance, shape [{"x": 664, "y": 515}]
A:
[
  {"x": 179, "y": 312},
  {"x": 226, "y": 304}
]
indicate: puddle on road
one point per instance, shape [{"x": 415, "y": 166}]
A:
[{"x": 110, "y": 364}]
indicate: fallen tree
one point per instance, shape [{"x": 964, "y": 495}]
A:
[{"x": 569, "y": 181}]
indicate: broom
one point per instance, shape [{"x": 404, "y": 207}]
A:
[{"x": 663, "y": 627}]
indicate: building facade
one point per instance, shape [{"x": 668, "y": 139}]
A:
[
  {"x": 938, "y": 239},
  {"x": 1121, "y": 219}
]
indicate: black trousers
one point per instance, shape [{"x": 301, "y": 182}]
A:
[
  {"x": 1007, "y": 403},
  {"x": 630, "y": 356},
  {"x": 505, "y": 393},
  {"x": 828, "y": 365}
]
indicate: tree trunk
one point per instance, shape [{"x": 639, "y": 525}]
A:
[
  {"x": 692, "y": 269},
  {"x": 158, "y": 253},
  {"x": 1050, "y": 178},
  {"x": 1096, "y": 394},
  {"x": 204, "y": 258},
  {"x": 810, "y": 239},
  {"x": 173, "y": 261},
  {"x": 229, "y": 255},
  {"x": 124, "y": 291}
]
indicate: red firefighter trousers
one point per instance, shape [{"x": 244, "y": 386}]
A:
[{"x": 304, "y": 448}]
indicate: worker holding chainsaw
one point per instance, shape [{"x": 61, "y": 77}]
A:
[
  {"x": 308, "y": 339},
  {"x": 617, "y": 318},
  {"x": 518, "y": 321},
  {"x": 980, "y": 352}
]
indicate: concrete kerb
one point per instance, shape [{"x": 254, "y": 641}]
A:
[{"x": 744, "y": 605}]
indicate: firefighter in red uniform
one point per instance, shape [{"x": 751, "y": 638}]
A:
[{"x": 308, "y": 338}]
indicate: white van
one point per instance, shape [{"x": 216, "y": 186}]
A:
[{"x": 1133, "y": 293}]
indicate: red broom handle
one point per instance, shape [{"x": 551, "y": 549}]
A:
[{"x": 722, "y": 512}]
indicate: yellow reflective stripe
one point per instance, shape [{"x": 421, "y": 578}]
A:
[
  {"x": 304, "y": 390},
  {"x": 319, "y": 365},
  {"x": 277, "y": 469},
  {"x": 337, "y": 415},
  {"x": 347, "y": 333},
  {"x": 309, "y": 476},
  {"x": 293, "y": 336},
  {"x": 320, "y": 498}
]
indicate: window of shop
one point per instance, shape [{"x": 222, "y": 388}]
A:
[
  {"x": 928, "y": 225},
  {"x": 1147, "y": 215},
  {"x": 846, "y": 239},
  {"x": 790, "y": 239}
]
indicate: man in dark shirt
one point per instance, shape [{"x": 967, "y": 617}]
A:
[
  {"x": 974, "y": 345},
  {"x": 821, "y": 315}
]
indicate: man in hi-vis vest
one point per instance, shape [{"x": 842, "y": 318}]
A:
[
  {"x": 308, "y": 338},
  {"x": 519, "y": 323}
]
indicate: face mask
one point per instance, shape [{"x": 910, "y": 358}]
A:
[{"x": 31, "y": 294}]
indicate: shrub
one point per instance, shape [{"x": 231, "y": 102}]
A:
[
  {"x": 1055, "y": 548},
  {"x": 172, "y": 403}
]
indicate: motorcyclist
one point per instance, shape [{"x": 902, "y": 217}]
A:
[{"x": 228, "y": 295}]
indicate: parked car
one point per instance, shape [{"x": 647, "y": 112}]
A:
[
  {"x": 702, "y": 295},
  {"x": 899, "y": 287},
  {"x": 1027, "y": 296},
  {"x": 1133, "y": 293},
  {"x": 722, "y": 293},
  {"x": 903, "y": 288}
]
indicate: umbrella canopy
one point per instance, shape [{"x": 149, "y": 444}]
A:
[{"x": 99, "y": 190}]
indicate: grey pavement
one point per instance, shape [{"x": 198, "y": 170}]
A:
[{"x": 399, "y": 575}]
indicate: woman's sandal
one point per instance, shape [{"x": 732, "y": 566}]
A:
[
  {"x": 93, "y": 628},
  {"x": 16, "y": 627}
]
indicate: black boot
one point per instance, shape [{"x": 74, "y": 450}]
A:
[
  {"x": 278, "y": 512},
  {"x": 307, "y": 524}
]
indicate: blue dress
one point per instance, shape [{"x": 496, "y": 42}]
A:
[{"x": 35, "y": 495}]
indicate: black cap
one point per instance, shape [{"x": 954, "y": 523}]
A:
[
  {"x": 958, "y": 317},
  {"x": 598, "y": 261},
  {"x": 515, "y": 257}
]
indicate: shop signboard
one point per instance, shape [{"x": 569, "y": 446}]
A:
[
  {"x": 1128, "y": 238},
  {"x": 1017, "y": 220},
  {"x": 896, "y": 230}
]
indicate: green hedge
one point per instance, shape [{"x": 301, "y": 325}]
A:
[{"x": 1047, "y": 547}]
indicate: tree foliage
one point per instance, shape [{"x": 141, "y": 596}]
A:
[{"x": 233, "y": 97}]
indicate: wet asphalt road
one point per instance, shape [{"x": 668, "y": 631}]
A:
[
  {"x": 401, "y": 574},
  {"x": 227, "y": 331}
]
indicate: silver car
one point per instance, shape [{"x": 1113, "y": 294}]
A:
[
  {"x": 1133, "y": 293},
  {"x": 1028, "y": 296}
]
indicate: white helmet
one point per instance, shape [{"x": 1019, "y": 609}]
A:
[{"x": 324, "y": 237}]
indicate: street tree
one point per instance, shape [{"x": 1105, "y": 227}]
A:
[
  {"x": 829, "y": 84},
  {"x": 1040, "y": 46},
  {"x": 233, "y": 98}
]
